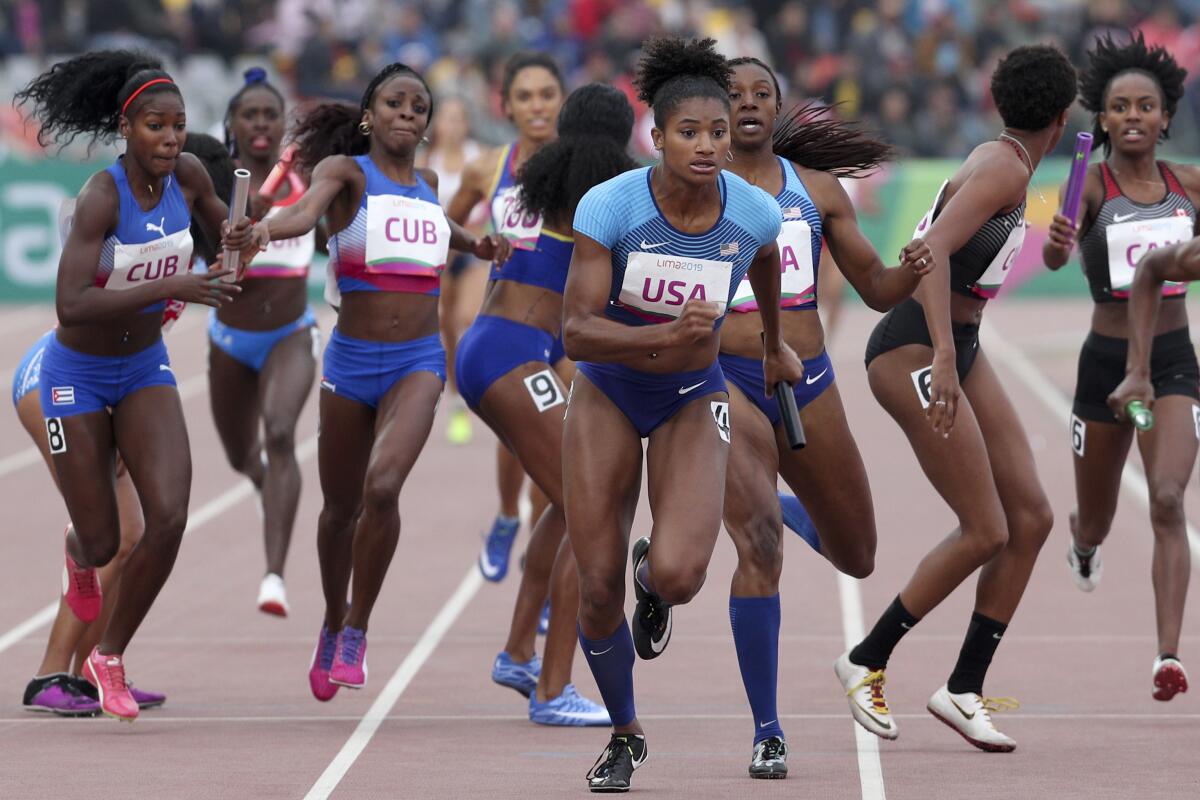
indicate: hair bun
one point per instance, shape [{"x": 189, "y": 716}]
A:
[{"x": 255, "y": 75}]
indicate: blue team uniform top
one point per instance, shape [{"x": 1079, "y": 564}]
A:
[
  {"x": 146, "y": 245},
  {"x": 799, "y": 248},
  {"x": 657, "y": 268}
]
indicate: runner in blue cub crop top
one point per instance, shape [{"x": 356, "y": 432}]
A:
[
  {"x": 799, "y": 162},
  {"x": 659, "y": 255},
  {"x": 384, "y": 365},
  {"x": 106, "y": 384}
]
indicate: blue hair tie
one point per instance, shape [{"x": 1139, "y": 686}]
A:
[{"x": 255, "y": 75}]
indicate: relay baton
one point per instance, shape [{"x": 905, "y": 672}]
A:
[
  {"x": 1141, "y": 417},
  {"x": 790, "y": 415},
  {"x": 237, "y": 212},
  {"x": 788, "y": 411},
  {"x": 1079, "y": 164},
  {"x": 280, "y": 171}
]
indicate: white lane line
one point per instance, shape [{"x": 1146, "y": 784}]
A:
[
  {"x": 189, "y": 388},
  {"x": 870, "y": 770},
  {"x": 396, "y": 685},
  {"x": 151, "y": 717},
  {"x": 1133, "y": 480},
  {"x": 200, "y": 517}
]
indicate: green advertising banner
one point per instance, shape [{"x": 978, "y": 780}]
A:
[{"x": 890, "y": 203}]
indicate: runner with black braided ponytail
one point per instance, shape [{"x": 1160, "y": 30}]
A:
[{"x": 798, "y": 159}]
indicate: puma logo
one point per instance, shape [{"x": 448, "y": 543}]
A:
[{"x": 161, "y": 227}]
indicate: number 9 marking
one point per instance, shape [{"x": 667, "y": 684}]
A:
[{"x": 544, "y": 390}]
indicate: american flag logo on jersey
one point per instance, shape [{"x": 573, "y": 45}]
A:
[
  {"x": 62, "y": 395},
  {"x": 730, "y": 249},
  {"x": 795, "y": 212}
]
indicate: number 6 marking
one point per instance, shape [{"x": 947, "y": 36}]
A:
[
  {"x": 544, "y": 390},
  {"x": 1078, "y": 435},
  {"x": 56, "y": 435}
]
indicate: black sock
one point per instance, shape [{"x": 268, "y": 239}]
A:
[
  {"x": 873, "y": 652},
  {"x": 983, "y": 637}
]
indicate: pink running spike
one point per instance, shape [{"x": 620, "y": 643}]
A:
[
  {"x": 81, "y": 589},
  {"x": 107, "y": 674}
]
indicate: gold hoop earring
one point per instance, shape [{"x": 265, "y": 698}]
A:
[{"x": 364, "y": 129}]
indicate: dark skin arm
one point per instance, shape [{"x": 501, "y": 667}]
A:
[
  {"x": 994, "y": 184},
  {"x": 489, "y": 248},
  {"x": 79, "y": 301},
  {"x": 588, "y": 335},
  {"x": 779, "y": 361},
  {"x": 881, "y": 288},
  {"x": 1063, "y": 235},
  {"x": 473, "y": 187},
  {"x": 1180, "y": 262}
]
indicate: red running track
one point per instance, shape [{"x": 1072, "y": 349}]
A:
[{"x": 240, "y": 722}]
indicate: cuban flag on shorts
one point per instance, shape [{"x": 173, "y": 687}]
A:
[{"x": 62, "y": 395}]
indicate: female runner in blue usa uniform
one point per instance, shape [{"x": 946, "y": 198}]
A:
[
  {"x": 384, "y": 365},
  {"x": 798, "y": 159},
  {"x": 531, "y": 94},
  {"x": 659, "y": 253},
  {"x": 506, "y": 374},
  {"x": 106, "y": 383}
]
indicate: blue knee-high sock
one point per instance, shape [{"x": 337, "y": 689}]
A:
[
  {"x": 795, "y": 516},
  {"x": 755, "y": 623},
  {"x": 611, "y": 661}
]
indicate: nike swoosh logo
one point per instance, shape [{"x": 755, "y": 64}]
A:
[
  {"x": 487, "y": 568},
  {"x": 810, "y": 381},
  {"x": 1123, "y": 217},
  {"x": 602, "y": 652},
  {"x": 906, "y": 626},
  {"x": 960, "y": 710},
  {"x": 646, "y": 246},
  {"x": 696, "y": 386},
  {"x": 637, "y": 762},
  {"x": 661, "y": 644},
  {"x": 765, "y": 724},
  {"x": 997, "y": 636}
]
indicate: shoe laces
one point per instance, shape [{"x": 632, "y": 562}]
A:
[
  {"x": 999, "y": 704},
  {"x": 327, "y": 650},
  {"x": 618, "y": 749},
  {"x": 114, "y": 674},
  {"x": 352, "y": 641},
  {"x": 773, "y": 749},
  {"x": 874, "y": 681},
  {"x": 84, "y": 579}
]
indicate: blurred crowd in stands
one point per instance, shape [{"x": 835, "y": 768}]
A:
[{"x": 915, "y": 69}]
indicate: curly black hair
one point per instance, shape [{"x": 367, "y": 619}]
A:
[
  {"x": 331, "y": 129},
  {"x": 1111, "y": 59},
  {"x": 525, "y": 60},
  {"x": 594, "y": 127},
  {"x": 255, "y": 78},
  {"x": 219, "y": 166},
  {"x": 672, "y": 70},
  {"x": 86, "y": 95},
  {"x": 1032, "y": 85}
]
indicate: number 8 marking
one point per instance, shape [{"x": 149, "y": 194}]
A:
[
  {"x": 56, "y": 435},
  {"x": 543, "y": 388}
]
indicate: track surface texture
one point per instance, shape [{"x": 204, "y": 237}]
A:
[{"x": 240, "y": 723}]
